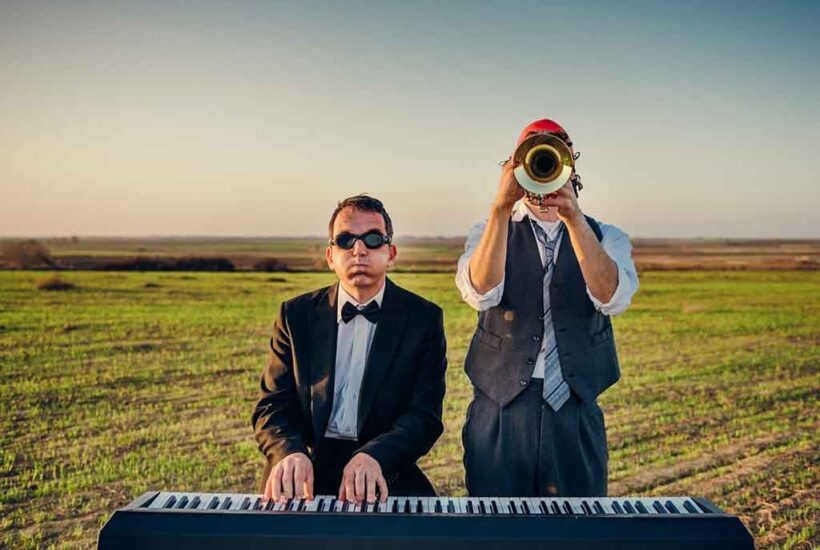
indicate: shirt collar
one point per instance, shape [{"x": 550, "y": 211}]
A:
[
  {"x": 521, "y": 211},
  {"x": 344, "y": 297}
]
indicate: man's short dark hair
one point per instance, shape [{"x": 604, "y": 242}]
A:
[{"x": 365, "y": 203}]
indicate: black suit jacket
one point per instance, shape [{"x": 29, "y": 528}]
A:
[{"x": 400, "y": 402}]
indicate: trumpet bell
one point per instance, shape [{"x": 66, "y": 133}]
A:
[{"x": 544, "y": 164}]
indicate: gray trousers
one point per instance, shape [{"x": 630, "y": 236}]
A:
[{"x": 526, "y": 449}]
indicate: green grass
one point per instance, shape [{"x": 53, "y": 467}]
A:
[{"x": 132, "y": 382}]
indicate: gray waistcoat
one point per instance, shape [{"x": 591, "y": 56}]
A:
[{"x": 502, "y": 353}]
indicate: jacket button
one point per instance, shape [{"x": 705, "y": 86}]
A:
[
  {"x": 530, "y": 361},
  {"x": 540, "y": 317},
  {"x": 523, "y": 382},
  {"x": 535, "y": 337}
]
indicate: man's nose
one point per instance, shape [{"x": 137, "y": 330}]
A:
[{"x": 359, "y": 249}]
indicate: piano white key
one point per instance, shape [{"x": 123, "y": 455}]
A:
[
  {"x": 391, "y": 504},
  {"x": 682, "y": 506},
  {"x": 648, "y": 504},
  {"x": 327, "y": 504},
  {"x": 312, "y": 505},
  {"x": 236, "y": 501},
  {"x": 338, "y": 505},
  {"x": 159, "y": 501},
  {"x": 534, "y": 505},
  {"x": 427, "y": 505},
  {"x": 188, "y": 498},
  {"x": 606, "y": 504},
  {"x": 575, "y": 505},
  {"x": 502, "y": 505},
  {"x": 488, "y": 505},
  {"x": 456, "y": 505}
]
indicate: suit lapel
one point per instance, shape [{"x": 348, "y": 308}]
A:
[
  {"x": 323, "y": 333},
  {"x": 386, "y": 340}
]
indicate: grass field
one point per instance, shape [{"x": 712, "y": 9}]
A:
[{"x": 142, "y": 381}]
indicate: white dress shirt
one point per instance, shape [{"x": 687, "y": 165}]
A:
[
  {"x": 352, "y": 348},
  {"x": 615, "y": 243}
]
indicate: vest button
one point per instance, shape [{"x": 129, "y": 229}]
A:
[
  {"x": 535, "y": 337},
  {"x": 523, "y": 382},
  {"x": 540, "y": 317},
  {"x": 530, "y": 361}
]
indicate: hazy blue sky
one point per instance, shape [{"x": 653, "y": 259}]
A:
[{"x": 694, "y": 119}]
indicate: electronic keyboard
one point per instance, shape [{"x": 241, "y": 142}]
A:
[{"x": 229, "y": 520}]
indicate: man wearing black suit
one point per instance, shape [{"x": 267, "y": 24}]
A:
[{"x": 353, "y": 388}]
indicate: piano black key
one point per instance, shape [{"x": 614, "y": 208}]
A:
[
  {"x": 671, "y": 507},
  {"x": 258, "y": 504},
  {"x": 437, "y": 508},
  {"x": 419, "y": 506},
  {"x": 598, "y": 508},
  {"x": 470, "y": 507},
  {"x": 245, "y": 503},
  {"x": 212, "y": 504},
  {"x": 481, "y": 508},
  {"x": 659, "y": 507},
  {"x": 512, "y": 508},
  {"x": 628, "y": 507},
  {"x": 640, "y": 507},
  {"x": 556, "y": 509},
  {"x": 170, "y": 502},
  {"x": 493, "y": 507},
  {"x": 182, "y": 502},
  {"x": 451, "y": 507},
  {"x": 526, "y": 507},
  {"x": 587, "y": 510},
  {"x": 268, "y": 507},
  {"x": 226, "y": 503},
  {"x": 689, "y": 508},
  {"x": 567, "y": 508},
  {"x": 195, "y": 502}
]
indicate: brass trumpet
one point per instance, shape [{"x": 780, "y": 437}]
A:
[{"x": 544, "y": 164}]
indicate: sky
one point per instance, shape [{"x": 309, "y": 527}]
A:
[{"x": 693, "y": 119}]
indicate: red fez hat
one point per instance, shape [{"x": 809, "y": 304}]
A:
[{"x": 541, "y": 126}]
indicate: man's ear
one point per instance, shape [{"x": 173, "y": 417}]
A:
[
  {"x": 392, "y": 252},
  {"x": 329, "y": 257}
]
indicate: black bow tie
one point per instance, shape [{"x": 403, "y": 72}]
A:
[{"x": 371, "y": 312}]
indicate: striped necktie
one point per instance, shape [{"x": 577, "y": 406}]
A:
[{"x": 556, "y": 389}]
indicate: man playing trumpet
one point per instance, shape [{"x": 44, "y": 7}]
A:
[{"x": 545, "y": 280}]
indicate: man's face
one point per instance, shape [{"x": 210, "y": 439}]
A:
[{"x": 360, "y": 266}]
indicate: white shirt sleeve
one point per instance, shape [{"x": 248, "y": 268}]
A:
[
  {"x": 476, "y": 300},
  {"x": 616, "y": 244}
]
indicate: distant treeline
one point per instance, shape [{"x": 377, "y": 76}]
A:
[{"x": 419, "y": 256}]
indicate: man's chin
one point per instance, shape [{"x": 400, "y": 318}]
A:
[{"x": 362, "y": 280}]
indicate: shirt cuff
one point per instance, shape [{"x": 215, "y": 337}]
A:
[
  {"x": 621, "y": 298},
  {"x": 474, "y": 298}
]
